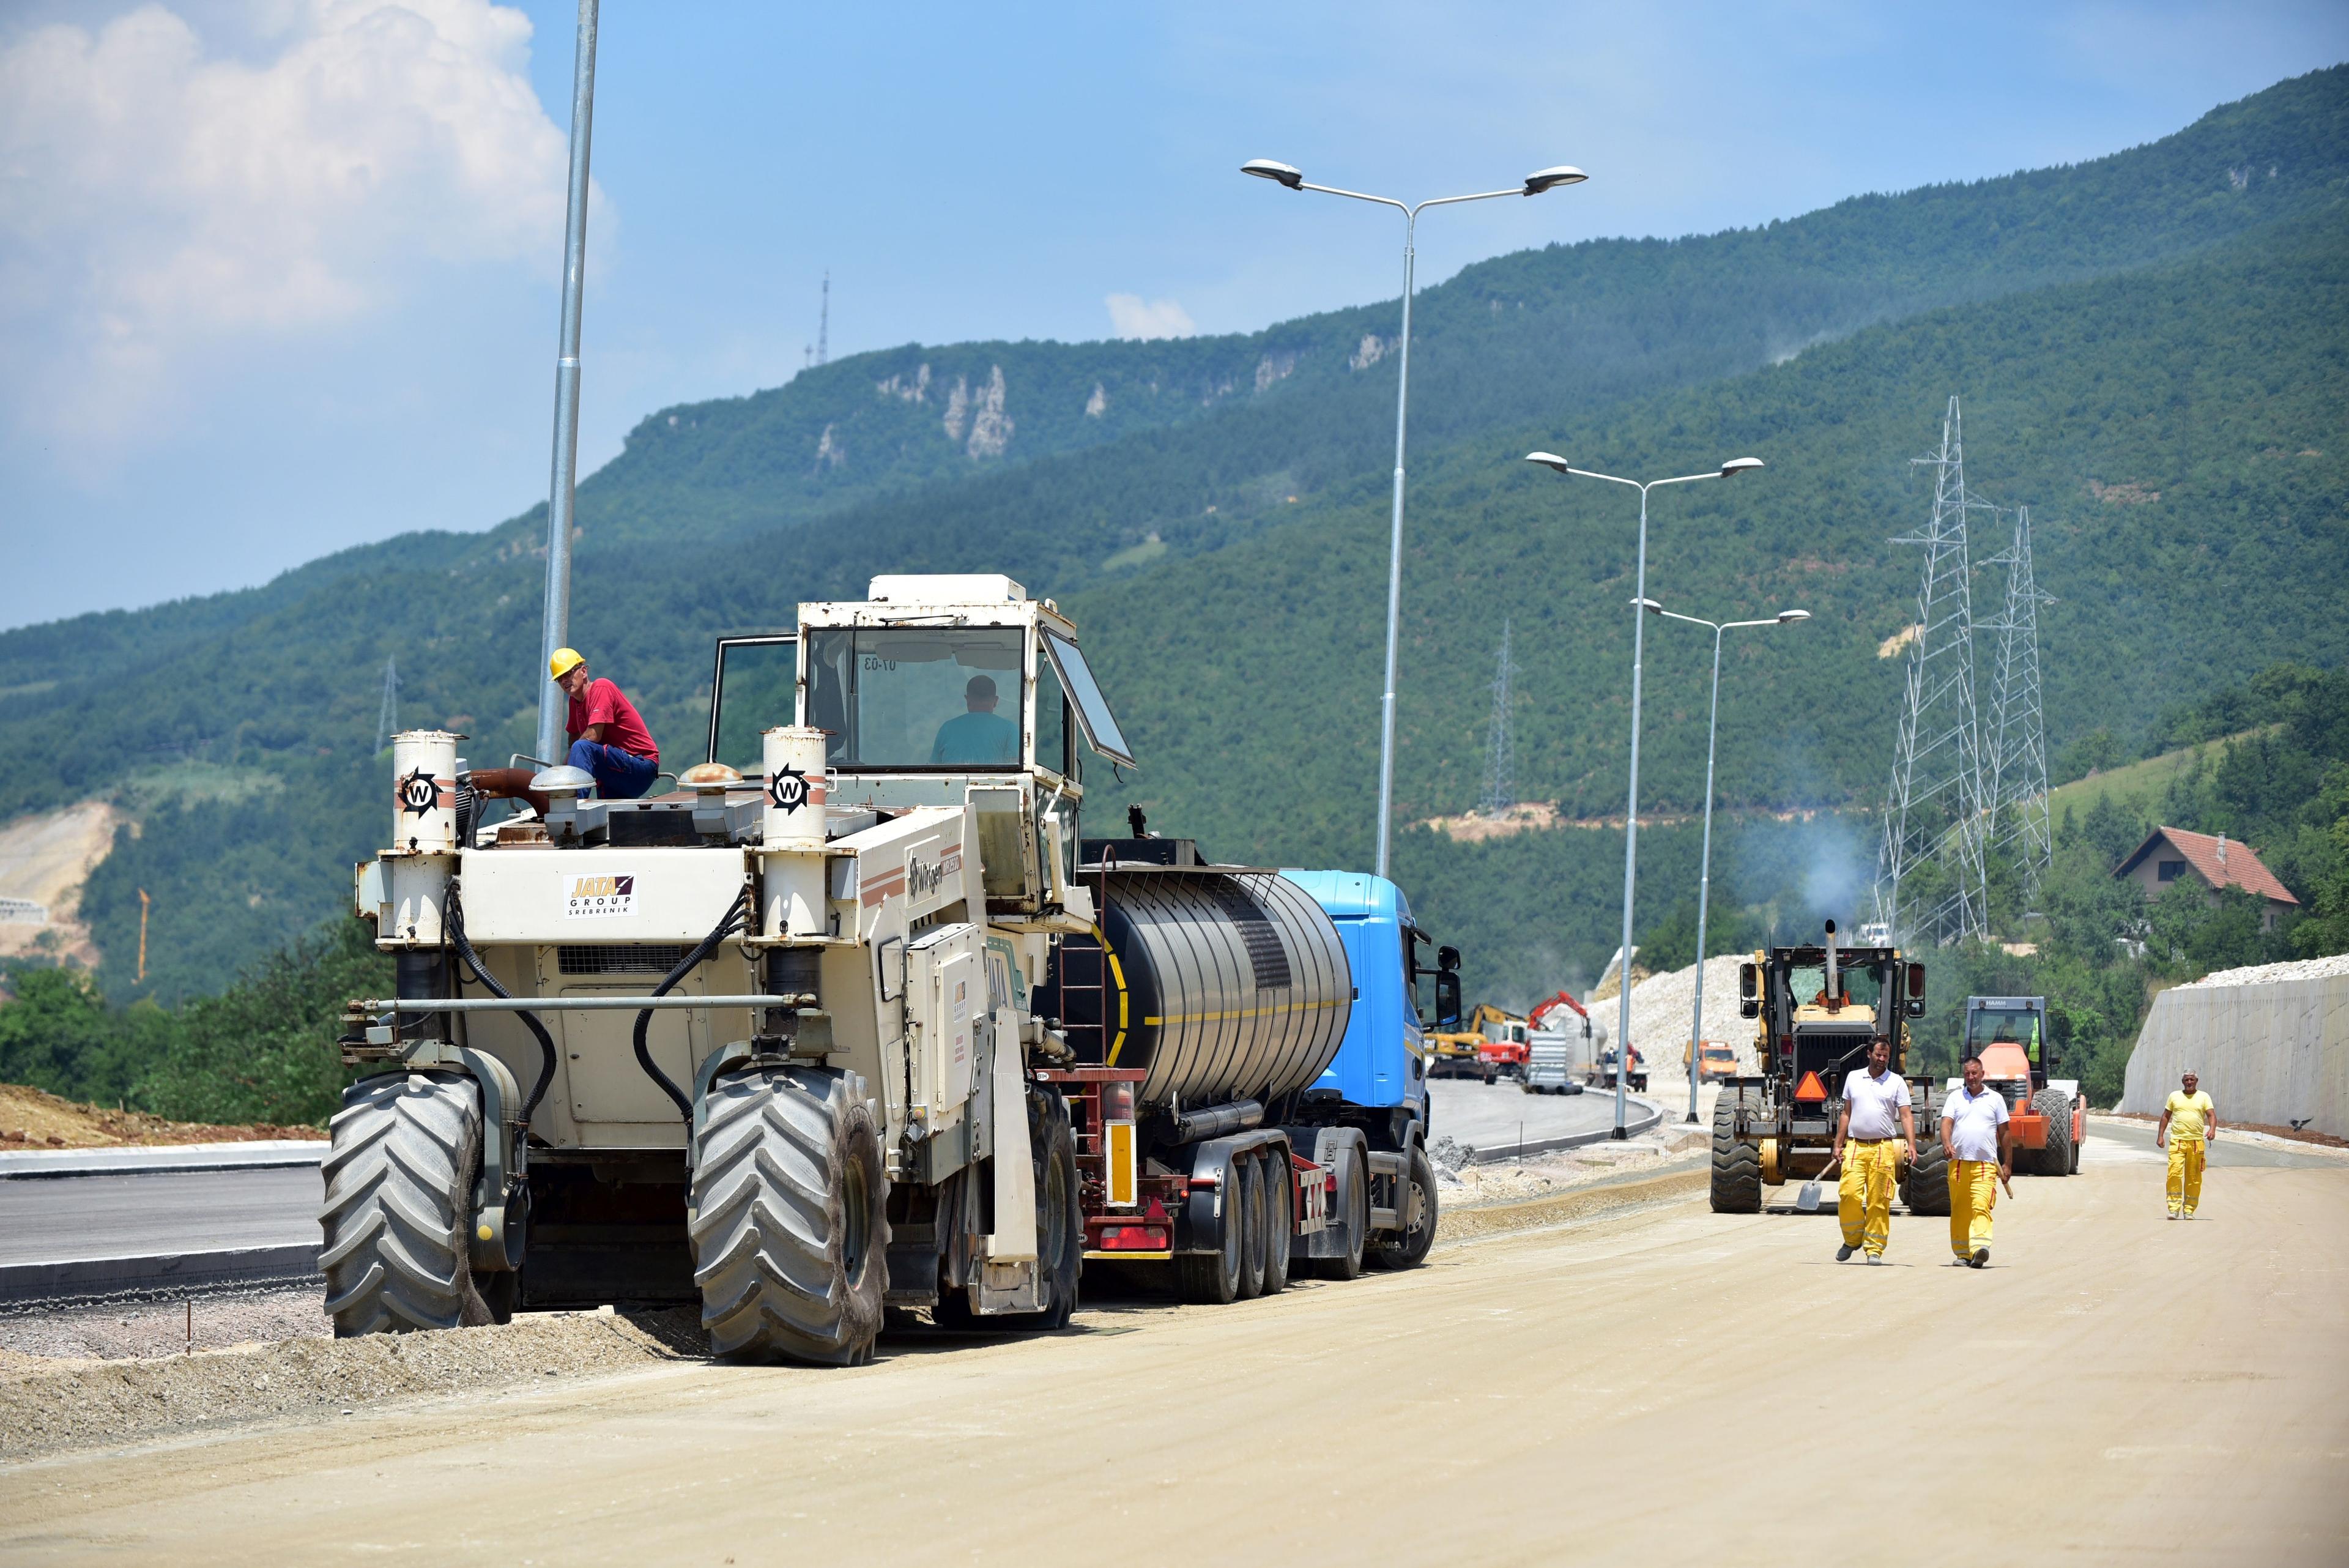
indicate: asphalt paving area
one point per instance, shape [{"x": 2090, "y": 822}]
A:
[
  {"x": 1624, "y": 1381},
  {"x": 73, "y": 1217}
]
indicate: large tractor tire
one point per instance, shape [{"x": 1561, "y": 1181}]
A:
[
  {"x": 1060, "y": 1215},
  {"x": 402, "y": 1156},
  {"x": 1408, "y": 1248},
  {"x": 2056, "y": 1158},
  {"x": 789, "y": 1218},
  {"x": 1925, "y": 1185},
  {"x": 1736, "y": 1166}
]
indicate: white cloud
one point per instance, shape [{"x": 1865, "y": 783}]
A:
[
  {"x": 154, "y": 198},
  {"x": 1131, "y": 315}
]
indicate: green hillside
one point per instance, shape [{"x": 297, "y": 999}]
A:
[{"x": 2151, "y": 351}]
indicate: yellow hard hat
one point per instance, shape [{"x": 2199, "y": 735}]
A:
[{"x": 564, "y": 661}]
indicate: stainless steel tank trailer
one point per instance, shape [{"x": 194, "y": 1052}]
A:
[{"x": 789, "y": 1042}]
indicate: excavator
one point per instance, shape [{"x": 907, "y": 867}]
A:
[{"x": 1489, "y": 1044}]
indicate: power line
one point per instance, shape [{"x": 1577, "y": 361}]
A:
[
  {"x": 1500, "y": 761},
  {"x": 1930, "y": 882}
]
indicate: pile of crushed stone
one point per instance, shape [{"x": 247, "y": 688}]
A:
[
  {"x": 47, "y": 1403},
  {"x": 34, "y": 1118},
  {"x": 2276, "y": 973}
]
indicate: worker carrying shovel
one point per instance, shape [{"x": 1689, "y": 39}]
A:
[
  {"x": 2189, "y": 1122},
  {"x": 1976, "y": 1131},
  {"x": 608, "y": 739},
  {"x": 1874, "y": 1109}
]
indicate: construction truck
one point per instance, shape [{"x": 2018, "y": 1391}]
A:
[
  {"x": 1488, "y": 1044},
  {"x": 2048, "y": 1116},
  {"x": 856, "y": 1022},
  {"x": 1817, "y": 1009},
  {"x": 1714, "y": 1060},
  {"x": 1602, "y": 1070},
  {"x": 1562, "y": 1043}
]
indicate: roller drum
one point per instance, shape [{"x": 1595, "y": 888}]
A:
[{"x": 1224, "y": 985}]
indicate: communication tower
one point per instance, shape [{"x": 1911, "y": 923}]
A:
[
  {"x": 823, "y": 322},
  {"x": 2014, "y": 792},
  {"x": 1930, "y": 884},
  {"x": 1500, "y": 763}
]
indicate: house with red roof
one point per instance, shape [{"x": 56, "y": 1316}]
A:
[{"x": 2172, "y": 855}]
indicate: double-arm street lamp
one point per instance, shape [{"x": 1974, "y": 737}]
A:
[
  {"x": 1729, "y": 470},
  {"x": 1533, "y": 185},
  {"x": 1705, "y": 866}
]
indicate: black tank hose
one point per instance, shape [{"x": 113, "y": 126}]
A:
[
  {"x": 727, "y": 927},
  {"x": 530, "y": 1019}
]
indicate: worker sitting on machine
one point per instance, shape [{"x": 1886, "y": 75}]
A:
[
  {"x": 608, "y": 739},
  {"x": 980, "y": 737}
]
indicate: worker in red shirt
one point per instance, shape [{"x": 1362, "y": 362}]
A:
[{"x": 608, "y": 739}]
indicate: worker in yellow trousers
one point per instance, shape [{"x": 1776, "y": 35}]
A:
[
  {"x": 1875, "y": 1107},
  {"x": 1977, "y": 1134},
  {"x": 2189, "y": 1121}
]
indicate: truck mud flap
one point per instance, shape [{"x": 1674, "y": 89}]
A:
[
  {"x": 1204, "y": 1212},
  {"x": 1335, "y": 1151}
]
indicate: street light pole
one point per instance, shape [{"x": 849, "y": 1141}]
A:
[
  {"x": 553, "y": 704},
  {"x": 1729, "y": 470},
  {"x": 1533, "y": 185},
  {"x": 1705, "y": 866}
]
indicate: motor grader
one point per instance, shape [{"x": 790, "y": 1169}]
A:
[
  {"x": 794, "y": 1041},
  {"x": 1816, "y": 1008}
]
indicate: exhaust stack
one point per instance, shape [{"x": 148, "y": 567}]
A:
[{"x": 1834, "y": 988}]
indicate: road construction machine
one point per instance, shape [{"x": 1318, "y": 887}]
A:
[
  {"x": 2049, "y": 1117},
  {"x": 1490, "y": 1043},
  {"x": 1562, "y": 1045},
  {"x": 1817, "y": 1009},
  {"x": 855, "y": 1021}
]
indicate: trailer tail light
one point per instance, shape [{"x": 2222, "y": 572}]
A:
[
  {"x": 1121, "y": 1162},
  {"x": 1132, "y": 1239},
  {"x": 1810, "y": 1088}
]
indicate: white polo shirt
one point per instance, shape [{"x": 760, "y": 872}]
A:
[
  {"x": 1974, "y": 1121},
  {"x": 1875, "y": 1104}
]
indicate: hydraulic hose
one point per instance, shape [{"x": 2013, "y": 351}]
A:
[
  {"x": 726, "y": 926},
  {"x": 456, "y": 918}
]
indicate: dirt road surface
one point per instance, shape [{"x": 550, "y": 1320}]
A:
[{"x": 2114, "y": 1388}]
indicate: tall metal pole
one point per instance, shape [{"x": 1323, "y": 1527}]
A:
[
  {"x": 1631, "y": 829},
  {"x": 1705, "y": 886},
  {"x": 1394, "y": 557},
  {"x": 552, "y": 706}
]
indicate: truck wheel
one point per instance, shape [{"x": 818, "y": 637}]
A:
[
  {"x": 1253, "y": 1227},
  {"x": 1925, "y": 1185},
  {"x": 2055, "y": 1159},
  {"x": 1409, "y": 1247},
  {"x": 1280, "y": 1218},
  {"x": 400, "y": 1164},
  {"x": 1212, "y": 1279},
  {"x": 789, "y": 1218},
  {"x": 1352, "y": 1209},
  {"x": 1736, "y": 1166}
]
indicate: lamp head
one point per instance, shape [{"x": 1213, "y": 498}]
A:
[
  {"x": 1651, "y": 606},
  {"x": 1548, "y": 460},
  {"x": 1737, "y": 465},
  {"x": 1542, "y": 180},
  {"x": 1280, "y": 173},
  {"x": 1788, "y": 617}
]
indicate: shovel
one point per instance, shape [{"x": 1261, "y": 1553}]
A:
[{"x": 1807, "y": 1200}]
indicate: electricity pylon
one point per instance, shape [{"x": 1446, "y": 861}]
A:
[
  {"x": 1500, "y": 761},
  {"x": 386, "y": 723},
  {"x": 1934, "y": 811},
  {"x": 2014, "y": 791}
]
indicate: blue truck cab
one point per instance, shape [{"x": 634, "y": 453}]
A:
[{"x": 1382, "y": 1065}]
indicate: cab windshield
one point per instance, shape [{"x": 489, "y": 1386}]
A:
[
  {"x": 893, "y": 698},
  {"x": 2000, "y": 1027},
  {"x": 1807, "y": 984}
]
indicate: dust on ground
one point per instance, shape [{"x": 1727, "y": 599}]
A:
[
  {"x": 34, "y": 1118},
  {"x": 1461, "y": 1185},
  {"x": 2306, "y": 1137}
]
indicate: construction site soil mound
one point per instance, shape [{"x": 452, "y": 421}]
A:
[{"x": 34, "y": 1118}]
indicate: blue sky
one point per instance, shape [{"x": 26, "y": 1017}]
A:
[{"x": 279, "y": 276}]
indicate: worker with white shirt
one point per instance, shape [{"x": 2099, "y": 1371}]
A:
[
  {"x": 1875, "y": 1112},
  {"x": 1979, "y": 1141}
]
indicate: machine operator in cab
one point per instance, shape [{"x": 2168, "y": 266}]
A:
[
  {"x": 607, "y": 735},
  {"x": 978, "y": 736}
]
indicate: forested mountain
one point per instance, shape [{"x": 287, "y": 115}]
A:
[{"x": 2150, "y": 352}]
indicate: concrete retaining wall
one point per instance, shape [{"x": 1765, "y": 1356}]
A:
[{"x": 2273, "y": 1053}]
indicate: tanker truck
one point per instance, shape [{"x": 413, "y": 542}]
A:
[{"x": 855, "y": 1021}]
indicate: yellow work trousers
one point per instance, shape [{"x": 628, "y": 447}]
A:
[
  {"x": 1973, "y": 1193},
  {"x": 1864, "y": 1196},
  {"x": 2185, "y": 1174}
]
